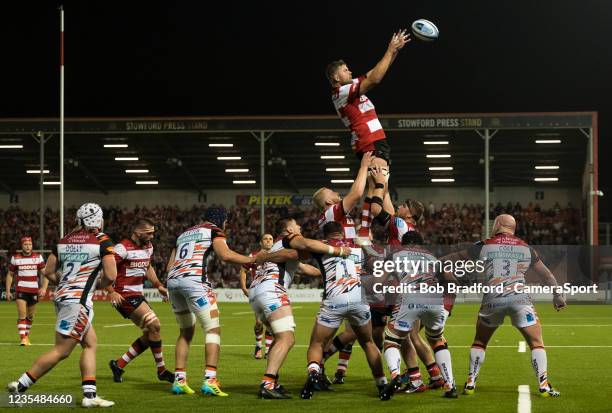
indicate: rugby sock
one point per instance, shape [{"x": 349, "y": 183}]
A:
[
  {"x": 156, "y": 349},
  {"x": 210, "y": 372},
  {"x": 180, "y": 375},
  {"x": 539, "y": 362},
  {"x": 343, "y": 358},
  {"x": 25, "y": 381},
  {"x": 333, "y": 348},
  {"x": 269, "y": 340},
  {"x": 89, "y": 387},
  {"x": 269, "y": 381},
  {"x": 414, "y": 375},
  {"x": 477, "y": 357},
  {"x": 22, "y": 328},
  {"x": 314, "y": 367},
  {"x": 258, "y": 330},
  {"x": 364, "y": 230},
  {"x": 380, "y": 380},
  {"x": 434, "y": 371},
  {"x": 394, "y": 360},
  {"x": 137, "y": 347},
  {"x": 443, "y": 359},
  {"x": 28, "y": 324}
]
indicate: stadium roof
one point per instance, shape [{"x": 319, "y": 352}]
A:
[{"x": 177, "y": 154}]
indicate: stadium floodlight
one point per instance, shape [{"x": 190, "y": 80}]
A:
[
  {"x": 438, "y": 156},
  {"x": 244, "y": 182},
  {"x": 442, "y": 180},
  {"x": 229, "y": 158},
  {"x": 440, "y": 168},
  {"x": 338, "y": 169},
  {"x": 220, "y": 145},
  {"x": 37, "y": 171},
  {"x": 52, "y": 183},
  {"x": 237, "y": 170},
  {"x": 546, "y": 179},
  {"x": 332, "y": 156},
  {"x": 548, "y": 141},
  {"x": 11, "y": 146},
  {"x": 126, "y": 158},
  {"x": 136, "y": 171},
  {"x": 547, "y": 167},
  {"x": 435, "y": 142},
  {"x": 147, "y": 182},
  {"x": 327, "y": 143},
  {"x": 115, "y": 145},
  {"x": 342, "y": 181}
]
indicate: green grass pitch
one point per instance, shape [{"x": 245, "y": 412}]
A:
[{"x": 578, "y": 341}]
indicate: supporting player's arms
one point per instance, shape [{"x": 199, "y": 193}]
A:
[
  {"x": 110, "y": 270},
  {"x": 284, "y": 255},
  {"x": 549, "y": 279},
  {"x": 50, "y": 268},
  {"x": 382, "y": 196},
  {"x": 375, "y": 76},
  {"x": 356, "y": 192},
  {"x": 227, "y": 255},
  {"x": 299, "y": 242},
  {"x": 9, "y": 282},
  {"x": 308, "y": 270}
]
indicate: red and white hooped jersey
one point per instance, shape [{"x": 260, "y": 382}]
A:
[
  {"x": 357, "y": 113},
  {"x": 336, "y": 213},
  {"x": 340, "y": 275},
  {"x": 193, "y": 247},
  {"x": 79, "y": 257},
  {"x": 25, "y": 269},
  {"x": 132, "y": 265},
  {"x": 396, "y": 229}
]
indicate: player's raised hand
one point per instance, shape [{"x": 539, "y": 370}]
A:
[
  {"x": 399, "y": 40},
  {"x": 367, "y": 159}
]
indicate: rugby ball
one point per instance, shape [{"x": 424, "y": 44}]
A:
[{"x": 425, "y": 30}]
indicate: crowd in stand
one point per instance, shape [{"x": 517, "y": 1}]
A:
[{"x": 444, "y": 225}]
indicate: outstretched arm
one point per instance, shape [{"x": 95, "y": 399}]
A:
[
  {"x": 227, "y": 255},
  {"x": 299, "y": 242},
  {"x": 375, "y": 76},
  {"x": 284, "y": 255},
  {"x": 549, "y": 279},
  {"x": 354, "y": 195}
]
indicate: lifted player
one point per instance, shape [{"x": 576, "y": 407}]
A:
[
  {"x": 133, "y": 257},
  {"x": 192, "y": 296},
  {"x": 266, "y": 242},
  {"x": 507, "y": 258},
  {"x": 27, "y": 269},
  {"x": 79, "y": 257}
]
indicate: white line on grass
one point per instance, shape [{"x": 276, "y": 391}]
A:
[
  {"x": 522, "y": 347},
  {"x": 251, "y": 312},
  {"x": 118, "y": 325},
  {"x": 524, "y": 399}
]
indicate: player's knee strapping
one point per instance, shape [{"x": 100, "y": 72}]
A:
[
  {"x": 434, "y": 335},
  {"x": 283, "y": 324},
  {"x": 148, "y": 320},
  {"x": 213, "y": 338},
  {"x": 392, "y": 339},
  {"x": 206, "y": 320},
  {"x": 186, "y": 320}
]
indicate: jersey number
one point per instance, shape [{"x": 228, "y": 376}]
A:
[{"x": 186, "y": 250}]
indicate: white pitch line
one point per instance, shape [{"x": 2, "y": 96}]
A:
[
  {"x": 118, "y": 325},
  {"x": 524, "y": 399},
  {"x": 251, "y": 312}
]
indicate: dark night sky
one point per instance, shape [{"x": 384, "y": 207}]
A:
[{"x": 256, "y": 58}]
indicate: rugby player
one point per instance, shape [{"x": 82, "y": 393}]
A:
[
  {"x": 79, "y": 257},
  {"x": 266, "y": 242},
  {"x": 269, "y": 299},
  {"x": 193, "y": 298},
  {"x": 133, "y": 257},
  {"x": 507, "y": 258},
  {"x": 426, "y": 307},
  {"x": 26, "y": 267}
]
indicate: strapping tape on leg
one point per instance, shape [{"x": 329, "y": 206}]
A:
[
  {"x": 392, "y": 339},
  {"x": 283, "y": 324},
  {"x": 212, "y": 338},
  {"x": 186, "y": 320},
  {"x": 147, "y": 320},
  {"x": 206, "y": 321}
]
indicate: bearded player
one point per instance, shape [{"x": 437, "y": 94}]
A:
[
  {"x": 26, "y": 267},
  {"x": 133, "y": 257}
]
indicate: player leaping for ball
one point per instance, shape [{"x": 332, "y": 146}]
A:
[
  {"x": 507, "y": 258},
  {"x": 357, "y": 111},
  {"x": 27, "y": 268},
  {"x": 192, "y": 296},
  {"x": 133, "y": 257}
]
